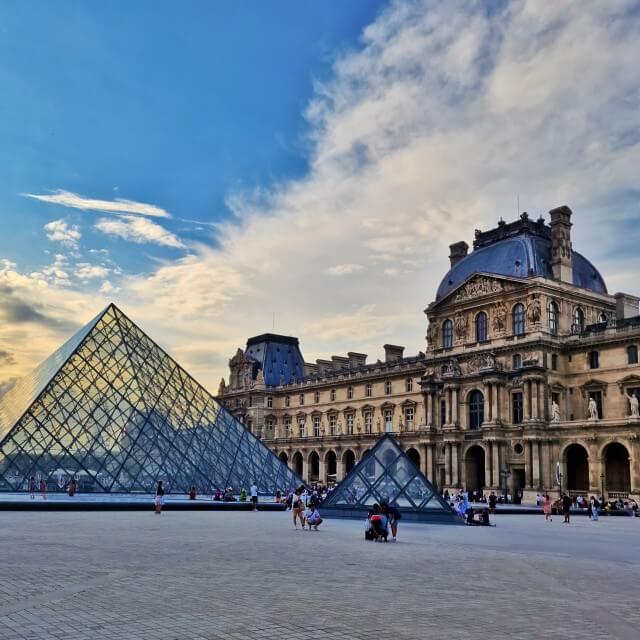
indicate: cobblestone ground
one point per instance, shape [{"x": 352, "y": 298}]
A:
[{"x": 234, "y": 576}]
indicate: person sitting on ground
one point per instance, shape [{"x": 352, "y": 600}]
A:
[
  {"x": 278, "y": 496},
  {"x": 313, "y": 518},
  {"x": 243, "y": 495},
  {"x": 484, "y": 519},
  {"x": 228, "y": 495},
  {"x": 192, "y": 492},
  {"x": 378, "y": 524},
  {"x": 217, "y": 495}
]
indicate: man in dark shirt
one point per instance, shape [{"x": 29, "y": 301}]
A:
[
  {"x": 492, "y": 502},
  {"x": 566, "y": 508}
]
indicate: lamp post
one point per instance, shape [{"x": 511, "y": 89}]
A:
[
  {"x": 602, "y": 485},
  {"x": 504, "y": 474}
]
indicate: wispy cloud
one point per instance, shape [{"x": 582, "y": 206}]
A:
[
  {"x": 140, "y": 230},
  {"x": 344, "y": 269},
  {"x": 117, "y": 206},
  {"x": 61, "y": 231},
  {"x": 87, "y": 271}
]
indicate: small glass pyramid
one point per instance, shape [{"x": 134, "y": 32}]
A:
[
  {"x": 386, "y": 473},
  {"x": 113, "y": 410}
]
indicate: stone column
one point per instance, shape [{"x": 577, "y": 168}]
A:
[
  {"x": 495, "y": 410},
  {"x": 535, "y": 461},
  {"x": 321, "y": 471},
  {"x": 429, "y": 462},
  {"x": 495, "y": 463},
  {"x": 455, "y": 476},
  {"x": 526, "y": 395},
  {"x": 447, "y": 464},
  {"x": 454, "y": 406},
  {"x": 429, "y": 408},
  {"x": 487, "y": 466},
  {"x": 339, "y": 467},
  {"x": 635, "y": 465},
  {"x": 487, "y": 402},
  {"x": 534, "y": 400},
  {"x": 545, "y": 463},
  {"x": 527, "y": 464}
]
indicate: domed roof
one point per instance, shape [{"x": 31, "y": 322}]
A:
[{"x": 525, "y": 255}]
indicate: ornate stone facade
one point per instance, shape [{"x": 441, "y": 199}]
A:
[{"x": 526, "y": 380}]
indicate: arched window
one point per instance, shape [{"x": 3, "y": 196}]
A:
[
  {"x": 476, "y": 409},
  {"x": 578, "y": 320},
  {"x": 481, "y": 327},
  {"x": 602, "y": 317},
  {"x": 553, "y": 318},
  {"x": 518, "y": 319},
  {"x": 447, "y": 334}
]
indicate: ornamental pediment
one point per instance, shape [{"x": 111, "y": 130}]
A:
[{"x": 479, "y": 285}]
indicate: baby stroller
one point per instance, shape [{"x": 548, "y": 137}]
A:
[{"x": 377, "y": 528}]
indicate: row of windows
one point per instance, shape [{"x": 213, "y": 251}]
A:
[
  {"x": 593, "y": 357},
  {"x": 316, "y": 423},
  {"x": 518, "y": 323},
  {"x": 368, "y": 392}
]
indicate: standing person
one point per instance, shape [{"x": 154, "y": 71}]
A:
[
  {"x": 43, "y": 488},
  {"x": 492, "y": 502},
  {"x": 567, "y": 502},
  {"x": 32, "y": 488},
  {"x": 393, "y": 515},
  {"x": 72, "y": 487},
  {"x": 546, "y": 508},
  {"x": 159, "y": 497},
  {"x": 192, "y": 492},
  {"x": 297, "y": 508},
  {"x": 253, "y": 489},
  {"x": 593, "y": 507}
]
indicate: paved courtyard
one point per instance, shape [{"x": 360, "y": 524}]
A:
[{"x": 234, "y": 576}]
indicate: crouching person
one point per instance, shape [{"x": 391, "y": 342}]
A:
[{"x": 313, "y": 517}]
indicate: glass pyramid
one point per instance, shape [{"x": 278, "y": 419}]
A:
[
  {"x": 386, "y": 473},
  {"x": 111, "y": 408}
]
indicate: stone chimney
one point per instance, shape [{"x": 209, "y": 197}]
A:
[
  {"x": 357, "y": 359},
  {"x": 561, "y": 256},
  {"x": 339, "y": 362},
  {"x": 458, "y": 251},
  {"x": 392, "y": 352},
  {"x": 626, "y": 305}
]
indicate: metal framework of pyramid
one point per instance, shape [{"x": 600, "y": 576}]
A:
[
  {"x": 386, "y": 473},
  {"x": 113, "y": 410}
]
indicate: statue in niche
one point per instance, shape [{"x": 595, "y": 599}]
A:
[
  {"x": 460, "y": 326},
  {"x": 499, "y": 316},
  {"x": 593, "y": 409},
  {"x": 451, "y": 368},
  {"x": 489, "y": 360},
  {"x": 633, "y": 405},
  {"x": 555, "y": 411},
  {"x": 534, "y": 310},
  {"x": 432, "y": 333}
]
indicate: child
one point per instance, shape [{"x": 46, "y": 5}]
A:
[{"x": 546, "y": 508}]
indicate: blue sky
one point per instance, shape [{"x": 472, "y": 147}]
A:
[
  {"x": 164, "y": 102},
  {"x": 222, "y": 169}
]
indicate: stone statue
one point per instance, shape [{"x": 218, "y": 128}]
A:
[
  {"x": 451, "y": 368},
  {"x": 260, "y": 377},
  {"x": 555, "y": 411},
  {"x": 499, "y": 316},
  {"x": 593, "y": 409},
  {"x": 489, "y": 360},
  {"x": 432, "y": 333},
  {"x": 222, "y": 387},
  {"x": 534, "y": 311},
  {"x": 633, "y": 405},
  {"x": 460, "y": 326}
]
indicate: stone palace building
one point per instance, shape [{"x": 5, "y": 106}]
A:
[{"x": 530, "y": 380}]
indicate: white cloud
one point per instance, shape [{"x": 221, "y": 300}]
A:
[
  {"x": 430, "y": 130},
  {"x": 344, "y": 269},
  {"x": 138, "y": 230},
  {"x": 60, "y": 231},
  {"x": 118, "y": 206},
  {"x": 87, "y": 271},
  {"x": 107, "y": 288}
]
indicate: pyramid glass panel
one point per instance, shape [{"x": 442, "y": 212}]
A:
[
  {"x": 113, "y": 410},
  {"x": 387, "y": 474}
]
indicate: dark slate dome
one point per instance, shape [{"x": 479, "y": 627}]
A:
[{"x": 520, "y": 250}]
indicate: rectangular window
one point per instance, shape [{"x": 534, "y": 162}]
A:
[
  {"x": 287, "y": 401},
  {"x": 301, "y": 399},
  {"x": 443, "y": 412},
  {"x": 349, "y": 418},
  {"x": 349, "y": 393},
  {"x": 316, "y": 397},
  {"x": 632, "y": 354},
  {"x": 388, "y": 420},
  {"x": 269, "y": 429},
  {"x": 517, "y": 361},
  {"x": 517, "y": 407},
  {"x": 368, "y": 390},
  {"x": 333, "y": 395},
  {"x": 251, "y": 401},
  {"x": 368, "y": 421},
  {"x": 316, "y": 426},
  {"x": 287, "y": 427},
  {"x": 269, "y": 402},
  {"x": 594, "y": 359},
  {"x": 301, "y": 427},
  {"x": 333, "y": 425},
  {"x": 387, "y": 387},
  {"x": 409, "y": 385},
  {"x": 554, "y": 361},
  {"x": 408, "y": 418}
]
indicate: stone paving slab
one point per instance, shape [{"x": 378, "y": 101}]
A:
[{"x": 234, "y": 576}]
